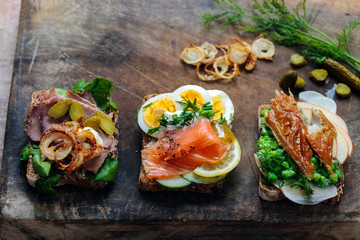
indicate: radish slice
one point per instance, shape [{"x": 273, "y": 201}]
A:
[
  {"x": 318, "y": 99},
  {"x": 298, "y": 196},
  {"x": 308, "y": 95},
  {"x": 324, "y": 102}
]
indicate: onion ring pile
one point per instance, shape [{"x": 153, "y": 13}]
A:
[
  {"x": 69, "y": 145},
  {"x": 235, "y": 53}
]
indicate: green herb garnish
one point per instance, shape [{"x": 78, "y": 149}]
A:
[
  {"x": 289, "y": 28},
  {"x": 187, "y": 116},
  {"x": 100, "y": 89},
  {"x": 148, "y": 105},
  {"x": 107, "y": 171},
  {"x": 222, "y": 119}
]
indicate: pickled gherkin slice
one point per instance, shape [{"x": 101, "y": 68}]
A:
[
  {"x": 93, "y": 122},
  {"x": 297, "y": 60},
  {"x": 300, "y": 83},
  {"x": 318, "y": 75},
  {"x": 59, "y": 109},
  {"x": 343, "y": 90},
  {"x": 106, "y": 123},
  {"x": 76, "y": 111},
  {"x": 288, "y": 80}
]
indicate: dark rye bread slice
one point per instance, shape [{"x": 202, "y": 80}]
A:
[
  {"x": 76, "y": 177},
  {"x": 151, "y": 185},
  {"x": 272, "y": 193}
]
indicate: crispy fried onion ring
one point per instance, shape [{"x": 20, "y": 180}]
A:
[
  {"x": 192, "y": 54},
  {"x": 263, "y": 48},
  {"x": 210, "y": 52},
  {"x": 235, "y": 53},
  {"x": 239, "y": 51},
  {"x": 69, "y": 146},
  {"x": 90, "y": 147},
  {"x": 56, "y": 143}
]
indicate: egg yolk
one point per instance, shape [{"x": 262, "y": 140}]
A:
[
  {"x": 153, "y": 112},
  {"x": 190, "y": 95},
  {"x": 218, "y": 105}
]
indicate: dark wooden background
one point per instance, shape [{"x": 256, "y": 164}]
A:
[{"x": 136, "y": 44}]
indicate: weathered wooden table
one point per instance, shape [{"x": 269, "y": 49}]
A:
[{"x": 137, "y": 44}]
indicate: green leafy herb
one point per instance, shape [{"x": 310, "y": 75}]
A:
[
  {"x": 25, "y": 153},
  {"x": 100, "y": 89},
  {"x": 106, "y": 173},
  {"x": 189, "y": 113},
  {"x": 148, "y": 105},
  {"x": 40, "y": 166},
  {"x": 153, "y": 130},
  {"x": 44, "y": 187},
  {"x": 289, "y": 28},
  {"x": 222, "y": 119}
]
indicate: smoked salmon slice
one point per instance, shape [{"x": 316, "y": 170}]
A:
[{"x": 181, "y": 151}]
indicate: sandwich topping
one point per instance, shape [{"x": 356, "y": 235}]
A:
[
  {"x": 284, "y": 119},
  {"x": 192, "y": 130},
  {"x": 302, "y": 147},
  {"x": 73, "y": 131}
]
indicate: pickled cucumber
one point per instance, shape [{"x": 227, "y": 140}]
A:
[
  {"x": 300, "y": 83},
  {"x": 318, "y": 75},
  {"x": 342, "y": 73},
  {"x": 297, "y": 60},
  {"x": 59, "y": 109},
  {"x": 288, "y": 80},
  {"x": 76, "y": 111},
  {"x": 343, "y": 90},
  {"x": 106, "y": 123},
  {"x": 93, "y": 122}
]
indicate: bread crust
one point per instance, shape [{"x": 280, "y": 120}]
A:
[
  {"x": 151, "y": 185},
  {"x": 271, "y": 193},
  {"x": 76, "y": 177}
]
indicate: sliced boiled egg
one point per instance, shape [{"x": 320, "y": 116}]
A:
[
  {"x": 223, "y": 104},
  {"x": 190, "y": 92},
  {"x": 152, "y": 110}
]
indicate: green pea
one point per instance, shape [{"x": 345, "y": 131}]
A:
[
  {"x": 286, "y": 174},
  {"x": 264, "y": 111},
  {"x": 316, "y": 176},
  {"x": 25, "y": 153},
  {"x": 339, "y": 173},
  {"x": 314, "y": 160},
  {"x": 264, "y": 131},
  {"x": 334, "y": 178},
  {"x": 285, "y": 164},
  {"x": 333, "y": 167},
  {"x": 272, "y": 177}
]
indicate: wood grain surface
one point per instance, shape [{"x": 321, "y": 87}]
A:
[{"x": 136, "y": 44}]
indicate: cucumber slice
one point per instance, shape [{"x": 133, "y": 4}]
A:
[
  {"x": 192, "y": 177},
  {"x": 174, "y": 182}
]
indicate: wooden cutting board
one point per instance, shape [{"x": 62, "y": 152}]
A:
[{"x": 136, "y": 44}]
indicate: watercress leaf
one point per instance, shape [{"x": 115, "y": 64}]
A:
[
  {"x": 79, "y": 86},
  {"x": 25, "y": 153},
  {"x": 44, "y": 187},
  {"x": 107, "y": 172},
  {"x": 100, "y": 89},
  {"x": 40, "y": 166}
]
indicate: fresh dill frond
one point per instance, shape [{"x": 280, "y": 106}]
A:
[{"x": 289, "y": 28}]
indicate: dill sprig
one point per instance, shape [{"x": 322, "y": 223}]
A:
[
  {"x": 188, "y": 115},
  {"x": 289, "y": 28}
]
